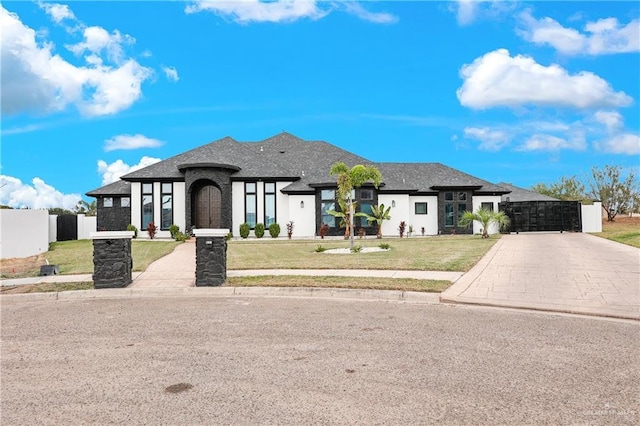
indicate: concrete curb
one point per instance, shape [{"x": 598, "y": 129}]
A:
[{"x": 299, "y": 292}]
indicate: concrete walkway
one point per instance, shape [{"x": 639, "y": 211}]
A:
[{"x": 569, "y": 272}]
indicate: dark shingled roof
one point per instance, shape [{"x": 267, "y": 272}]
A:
[
  {"x": 116, "y": 188},
  {"x": 521, "y": 194},
  {"x": 306, "y": 164}
]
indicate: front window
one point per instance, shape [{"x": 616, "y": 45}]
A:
[
  {"x": 269, "y": 203},
  {"x": 462, "y": 207},
  {"x": 250, "y": 204},
  {"x": 487, "y": 206},
  {"x": 328, "y": 203},
  {"x": 147, "y": 204},
  {"x": 421, "y": 208},
  {"x": 125, "y": 202},
  {"x": 448, "y": 215},
  {"x": 107, "y": 202},
  {"x": 167, "y": 206}
]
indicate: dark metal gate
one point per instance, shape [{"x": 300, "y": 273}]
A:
[
  {"x": 531, "y": 216},
  {"x": 67, "y": 227}
]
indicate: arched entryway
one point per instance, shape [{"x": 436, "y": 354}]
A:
[{"x": 207, "y": 209}]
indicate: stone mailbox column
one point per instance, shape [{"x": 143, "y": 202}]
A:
[
  {"x": 112, "y": 262},
  {"x": 211, "y": 257}
]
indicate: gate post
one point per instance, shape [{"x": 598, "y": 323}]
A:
[
  {"x": 211, "y": 257},
  {"x": 112, "y": 262}
]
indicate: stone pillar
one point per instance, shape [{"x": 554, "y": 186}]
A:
[
  {"x": 112, "y": 262},
  {"x": 211, "y": 257}
]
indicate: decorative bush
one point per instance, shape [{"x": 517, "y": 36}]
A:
[
  {"x": 361, "y": 233},
  {"x": 356, "y": 249},
  {"x": 289, "y": 229},
  {"x": 173, "y": 230},
  {"x": 324, "y": 230},
  {"x": 401, "y": 228},
  {"x": 259, "y": 230},
  {"x": 422, "y": 230},
  {"x": 180, "y": 236},
  {"x": 244, "y": 230},
  {"x": 151, "y": 230},
  {"x": 274, "y": 230},
  {"x": 229, "y": 236},
  {"x": 131, "y": 227},
  {"x": 384, "y": 246},
  {"x": 320, "y": 249}
]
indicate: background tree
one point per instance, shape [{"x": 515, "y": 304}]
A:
[
  {"x": 485, "y": 218},
  {"x": 59, "y": 211},
  {"x": 617, "y": 195},
  {"x": 90, "y": 209},
  {"x": 350, "y": 179},
  {"x": 567, "y": 188},
  {"x": 379, "y": 215}
]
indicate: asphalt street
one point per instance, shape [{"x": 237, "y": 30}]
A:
[{"x": 261, "y": 360}]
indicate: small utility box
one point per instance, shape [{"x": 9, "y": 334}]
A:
[
  {"x": 211, "y": 257},
  {"x": 46, "y": 270}
]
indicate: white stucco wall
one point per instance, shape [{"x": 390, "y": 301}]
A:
[
  {"x": 429, "y": 221},
  {"x": 401, "y": 211},
  {"x": 304, "y": 218},
  {"x": 86, "y": 225},
  {"x": 53, "y": 228},
  {"x": 592, "y": 217},
  {"x": 23, "y": 233},
  {"x": 237, "y": 207},
  {"x": 136, "y": 208},
  {"x": 477, "y": 204},
  {"x": 179, "y": 203}
]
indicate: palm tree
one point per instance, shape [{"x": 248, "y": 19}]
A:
[
  {"x": 485, "y": 218},
  {"x": 379, "y": 215},
  {"x": 350, "y": 179},
  {"x": 343, "y": 215}
]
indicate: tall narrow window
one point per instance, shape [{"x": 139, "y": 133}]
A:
[
  {"x": 250, "y": 205},
  {"x": 147, "y": 204},
  {"x": 328, "y": 202},
  {"x": 448, "y": 215},
  {"x": 269, "y": 203},
  {"x": 167, "y": 205}
]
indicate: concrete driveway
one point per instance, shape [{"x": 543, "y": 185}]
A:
[{"x": 569, "y": 272}]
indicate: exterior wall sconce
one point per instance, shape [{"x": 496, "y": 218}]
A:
[
  {"x": 302, "y": 204},
  {"x": 393, "y": 203}
]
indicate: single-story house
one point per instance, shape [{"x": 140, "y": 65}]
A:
[{"x": 283, "y": 178}]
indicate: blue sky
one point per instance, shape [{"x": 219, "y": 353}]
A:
[{"x": 523, "y": 92}]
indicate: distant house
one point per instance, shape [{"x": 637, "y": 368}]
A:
[{"x": 284, "y": 178}]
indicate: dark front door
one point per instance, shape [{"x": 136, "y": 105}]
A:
[{"x": 207, "y": 207}]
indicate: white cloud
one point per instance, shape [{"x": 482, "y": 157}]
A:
[
  {"x": 466, "y": 11},
  {"x": 258, "y": 11},
  {"x": 544, "y": 142},
  {"x": 171, "y": 73},
  {"x": 497, "y": 79},
  {"x": 97, "y": 39},
  {"x": 111, "y": 172},
  {"x": 57, "y": 12},
  {"x": 469, "y": 11},
  {"x": 356, "y": 9},
  {"x": 612, "y": 120},
  {"x": 626, "y": 143},
  {"x": 605, "y": 36},
  {"x": 490, "y": 139},
  {"x": 39, "y": 195},
  {"x": 131, "y": 142},
  {"x": 35, "y": 79}
]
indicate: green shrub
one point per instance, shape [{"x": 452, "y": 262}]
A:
[
  {"x": 173, "y": 230},
  {"x": 384, "y": 246},
  {"x": 274, "y": 230},
  {"x": 180, "y": 236},
  {"x": 130, "y": 227},
  {"x": 356, "y": 249},
  {"x": 320, "y": 249},
  {"x": 244, "y": 230},
  {"x": 229, "y": 236},
  {"x": 259, "y": 230}
]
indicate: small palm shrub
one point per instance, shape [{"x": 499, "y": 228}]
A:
[
  {"x": 131, "y": 227},
  {"x": 274, "y": 230},
  {"x": 320, "y": 249},
  {"x": 384, "y": 246},
  {"x": 356, "y": 249},
  {"x": 259, "y": 230},
  {"x": 244, "y": 230}
]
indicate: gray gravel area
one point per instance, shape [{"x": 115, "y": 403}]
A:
[{"x": 255, "y": 360}]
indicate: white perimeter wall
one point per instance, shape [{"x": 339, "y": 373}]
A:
[
  {"x": 53, "y": 228},
  {"x": 86, "y": 224},
  {"x": 477, "y": 204},
  {"x": 23, "y": 233},
  {"x": 592, "y": 217}
]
